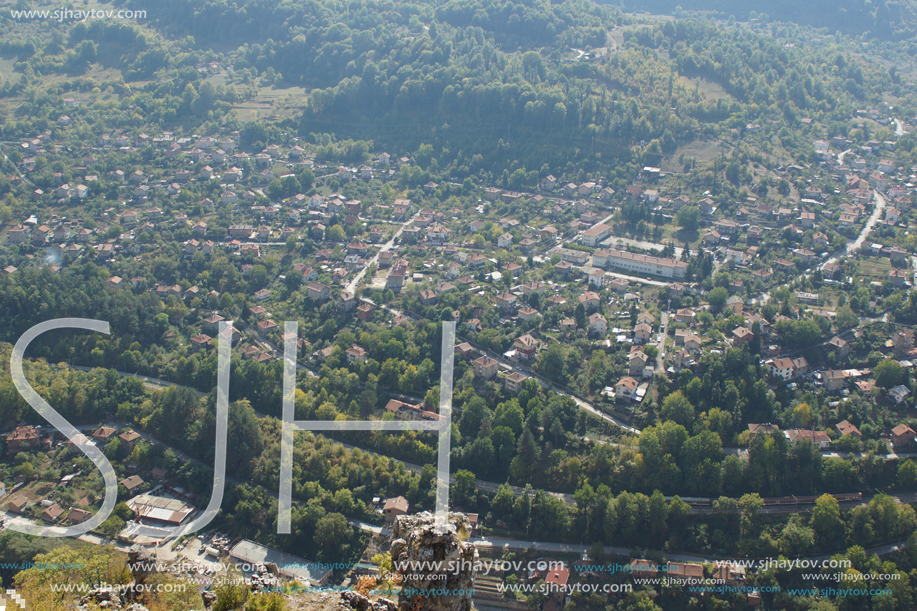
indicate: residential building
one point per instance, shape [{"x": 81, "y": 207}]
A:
[
  {"x": 898, "y": 277},
  {"x": 506, "y": 301},
  {"x": 845, "y": 427},
  {"x": 685, "y": 315},
  {"x": 356, "y": 354},
  {"x": 625, "y": 388},
  {"x": 365, "y": 312},
  {"x": 22, "y": 439},
  {"x": 840, "y": 346},
  {"x": 78, "y": 516},
  {"x": 786, "y": 368},
  {"x": 104, "y": 434},
  {"x": 819, "y": 439},
  {"x": 464, "y": 350},
  {"x": 899, "y": 393},
  {"x": 684, "y": 572},
  {"x": 834, "y": 379},
  {"x": 726, "y": 227},
  {"x": 485, "y": 367},
  {"x": 902, "y": 435},
  {"x": 525, "y": 346},
  {"x": 636, "y": 362},
  {"x": 640, "y": 568},
  {"x": 52, "y": 514},
  {"x": 642, "y": 333},
  {"x": 346, "y": 301},
  {"x": 394, "y": 507},
  {"x": 265, "y": 327},
  {"x": 741, "y": 335},
  {"x": 128, "y": 439},
  {"x": 318, "y": 291},
  {"x": 692, "y": 342},
  {"x": 763, "y": 429},
  {"x": 730, "y": 573},
  {"x": 596, "y": 234},
  {"x": 132, "y": 484},
  {"x": 597, "y": 324},
  {"x": 589, "y": 300},
  {"x": 514, "y": 381}
]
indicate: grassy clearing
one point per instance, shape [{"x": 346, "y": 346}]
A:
[
  {"x": 874, "y": 269},
  {"x": 6, "y": 69},
  {"x": 273, "y": 103},
  {"x": 712, "y": 91},
  {"x": 702, "y": 151}
]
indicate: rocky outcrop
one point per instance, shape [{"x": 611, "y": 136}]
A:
[
  {"x": 265, "y": 578},
  {"x": 209, "y": 597},
  {"x": 141, "y": 564},
  {"x": 107, "y": 597},
  {"x": 435, "y": 562},
  {"x": 359, "y": 602}
]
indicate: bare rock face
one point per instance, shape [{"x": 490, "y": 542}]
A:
[
  {"x": 265, "y": 579},
  {"x": 141, "y": 564},
  {"x": 435, "y": 561},
  {"x": 359, "y": 602},
  {"x": 106, "y": 597}
]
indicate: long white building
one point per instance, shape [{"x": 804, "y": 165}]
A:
[{"x": 641, "y": 264}]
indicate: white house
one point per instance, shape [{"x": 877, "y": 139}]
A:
[{"x": 598, "y": 324}]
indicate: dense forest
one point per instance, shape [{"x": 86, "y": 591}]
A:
[
  {"x": 888, "y": 19},
  {"x": 487, "y": 83}
]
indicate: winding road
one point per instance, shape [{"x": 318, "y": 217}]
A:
[
  {"x": 867, "y": 229},
  {"x": 850, "y": 248},
  {"x": 494, "y": 542},
  {"x": 352, "y": 285}
]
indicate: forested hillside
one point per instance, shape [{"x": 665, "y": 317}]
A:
[
  {"x": 886, "y": 19},
  {"x": 521, "y": 88}
]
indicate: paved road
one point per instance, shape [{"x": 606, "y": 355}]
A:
[
  {"x": 573, "y": 548},
  {"x": 147, "y": 381},
  {"x": 588, "y": 269},
  {"x": 480, "y": 484},
  {"x": 484, "y": 484},
  {"x": 523, "y": 368},
  {"x": 867, "y": 228},
  {"x": 899, "y": 129},
  {"x": 352, "y": 285},
  {"x": 851, "y": 247},
  {"x": 495, "y": 542},
  {"x": 663, "y": 326}
]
